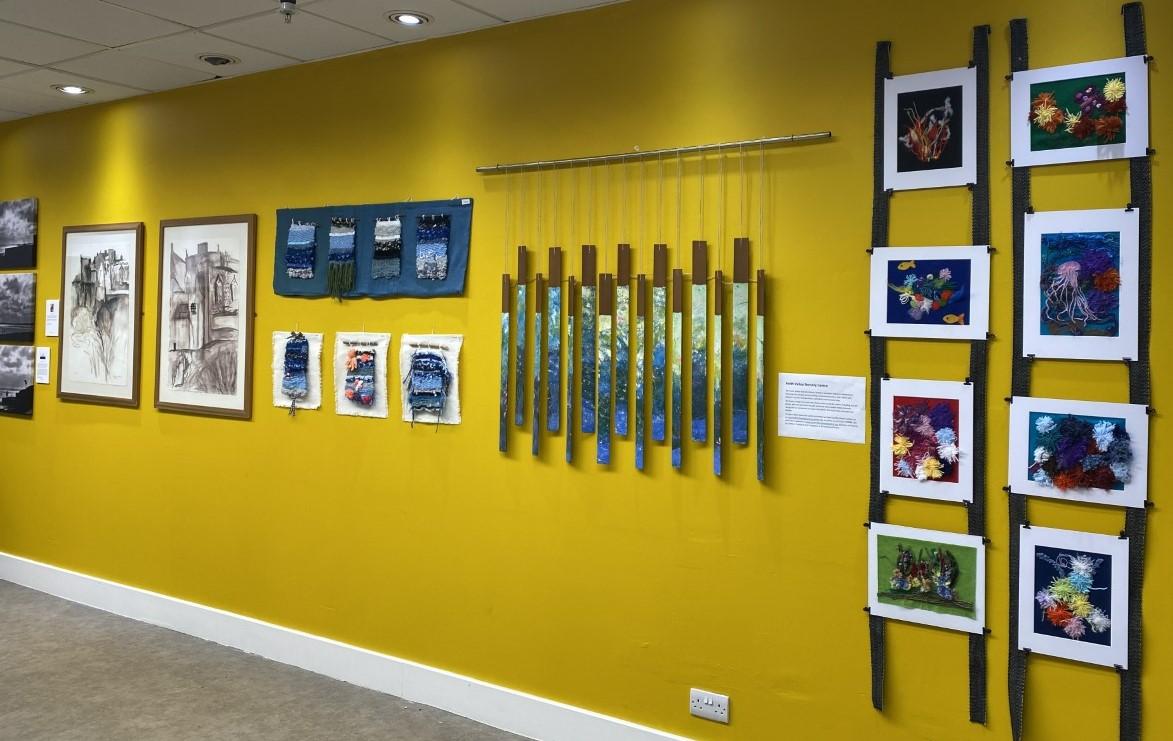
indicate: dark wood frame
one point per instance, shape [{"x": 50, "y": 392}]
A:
[
  {"x": 247, "y": 312},
  {"x": 136, "y": 315}
]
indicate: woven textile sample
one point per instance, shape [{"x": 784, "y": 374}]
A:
[
  {"x": 641, "y": 342},
  {"x": 554, "y": 356},
  {"x": 286, "y": 375},
  {"x": 429, "y": 375},
  {"x": 340, "y": 269},
  {"x": 431, "y": 247},
  {"x": 700, "y": 361},
  {"x": 386, "y": 260},
  {"x": 360, "y": 374},
  {"x": 299, "y": 249}
]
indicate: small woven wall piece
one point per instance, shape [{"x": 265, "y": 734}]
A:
[
  {"x": 431, "y": 246},
  {"x": 386, "y": 261},
  {"x": 429, "y": 378},
  {"x": 340, "y": 268},
  {"x": 570, "y": 290},
  {"x": 760, "y": 374},
  {"x": 300, "y": 248},
  {"x": 360, "y": 374},
  {"x": 297, "y": 370},
  {"x": 536, "y": 388}
]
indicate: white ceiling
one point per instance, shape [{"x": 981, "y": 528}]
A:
[{"x": 122, "y": 48}]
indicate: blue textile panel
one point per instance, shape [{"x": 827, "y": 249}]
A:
[
  {"x": 622, "y": 356},
  {"x": 589, "y": 326},
  {"x": 299, "y": 251},
  {"x": 760, "y": 370},
  {"x": 406, "y": 282},
  {"x": 431, "y": 247}
]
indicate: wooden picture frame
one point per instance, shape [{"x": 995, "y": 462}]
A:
[
  {"x": 101, "y": 308},
  {"x": 204, "y": 349}
]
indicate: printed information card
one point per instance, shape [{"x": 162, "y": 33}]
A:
[{"x": 822, "y": 407}]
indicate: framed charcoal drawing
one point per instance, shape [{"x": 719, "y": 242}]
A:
[
  {"x": 203, "y": 361},
  {"x": 1083, "y": 451},
  {"x": 16, "y": 380},
  {"x": 930, "y": 129},
  {"x": 1073, "y": 595},
  {"x": 927, "y": 448},
  {"x": 101, "y": 302},
  {"x": 18, "y": 234},
  {"x": 930, "y": 292},
  {"x": 927, "y": 576},
  {"x": 1080, "y": 292},
  {"x": 18, "y": 300},
  {"x": 1080, "y": 112}
]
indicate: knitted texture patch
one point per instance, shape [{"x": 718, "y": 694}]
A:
[
  {"x": 340, "y": 269},
  {"x": 431, "y": 247},
  {"x": 299, "y": 249},
  {"x": 360, "y": 376},
  {"x": 388, "y": 248}
]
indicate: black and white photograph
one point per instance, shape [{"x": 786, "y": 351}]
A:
[
  {"x": 18, "y": 297},
  {"x": 18, "y": 234},
  {"x": 16, "y": 380}
]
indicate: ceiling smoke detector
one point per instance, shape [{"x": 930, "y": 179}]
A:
[
  {"x": 287, "y": 8},
  {"x": 408, "y": 17},
  {"x": 218, "y": 60}
]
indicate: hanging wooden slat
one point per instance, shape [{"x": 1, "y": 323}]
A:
[
  {"x": 740, "y": 420},
  {"x": 589, "y": 328},
  {"x": 659, "y": 341},
  {"x": 641, "y": 342},
  {"x": 606, "y": 311},
  {"x": 622, "y": 338},
  {"x": 554, "y": 342},
  {"x": 519, "y": 341},
  {"x": 676, "y": 370}
]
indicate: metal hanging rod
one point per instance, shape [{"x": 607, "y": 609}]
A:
[{"x": 571, "y": 162}]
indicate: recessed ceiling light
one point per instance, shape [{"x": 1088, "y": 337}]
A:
[
  {"x": 408, "y": 18},
  {"x": 218, "y": 60},
  {"x": 72, "y": 89}
]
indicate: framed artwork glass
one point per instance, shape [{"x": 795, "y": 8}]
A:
[
  {"x": 203, "y": 361},
  {"x": 1083, "y": 451},
  {"x": 1080, "y": 112},
  {"x": 1073, "y": 595},
  {"x": 18, "y": 302},
  {"x": 1080, "y": 293},
  {"x": 930, "y": 129},
  {"x": 18, "y": 234},
  {"x": 101, "y": 301},
  {"x": 16, "y": 380},
  {"x": 927, "y": 576},
  {"x": 927, "y": 448},
  {"x": 931, "y": 292}
]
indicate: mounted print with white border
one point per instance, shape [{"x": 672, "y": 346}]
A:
[
  {"x": 927, "y": 576},
  {"x": 931, "y": 292},
  {"x": 1081, "y": 451},
  {"x": 1080, "y": 291},
  {"x": 927, "y": 443},
  {"x": 930, "y": 129},
  {"x": 1080, "y": 112},
  {"x": 1073, "y": 595}
]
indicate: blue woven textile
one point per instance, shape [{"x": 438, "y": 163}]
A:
[
  {"x": 427, "y": 383},
  {"x": 431, "y": 250},
  {"x": 299, "y": 250},
  {"x": 297, "y": 357},
  {"x": 388, "y": 251},
  {"x": 340, "y": 270},
  {"x": 360, "y": 376}
]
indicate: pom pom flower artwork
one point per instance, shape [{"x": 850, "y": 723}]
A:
[
  {"x": 1065, "y": 604},
  {"x": 1080, "y": 452},
  {"x": 924, "y": 439},
  {"x": 1092, "y": 113}
]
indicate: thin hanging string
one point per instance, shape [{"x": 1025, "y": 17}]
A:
[
  {"x": 505, "y": 249},
  {"x": 540, "y": 200},
  {"x": 573, "y": 222},
  {"x": 679, "y": 201},
  {"x": 660, "y": 199},
  {"x": 590, "y": 202},
  {"x": 721, "y": 182},
  {"x": 700, "y": 198},
  {"x": 606, "y": 209},
  {"x": 761, "y": 202},
  {"x": 741, "y": 207},
  {"x": 642, "y": 251},
  {"x": 557, "y": 234}
]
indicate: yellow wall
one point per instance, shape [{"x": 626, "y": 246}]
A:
[{"x": 607, "y": 589}]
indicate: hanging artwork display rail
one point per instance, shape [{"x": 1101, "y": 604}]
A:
[
  {"x": 1082, "y": 286},
  {"x": 405, "y": 248}
]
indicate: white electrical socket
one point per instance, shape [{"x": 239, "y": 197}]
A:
[{"x": 708, "y": 705}]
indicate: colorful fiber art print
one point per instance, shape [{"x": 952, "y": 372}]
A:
[
  {"x": 1073, "y": 595},
  {"x": 360, "y": 374},
  {"x": 1081, "y": 284},
  {"x": 203, "y": 363},
  {"x": 18, "y": 234},
  {"x": 590, "y": 313},
  {"x": 431, "y": 247},
  {"x": 18, "y": 302},
  {"x": 1080, "y": 112},
  {"x": 603, "y": 433},
  {"x": 429, "y": 378},
  {"x": 622, "y": 356},
  {"x": 554, "y": 357},
  {"x": 301, "y": 249},
  {"x": 699, "y": 377},
  {"x": 659, "y": 362},
  {"x": 927, "y": 576},
  {"x": 297, "y": 370},
  {"x": 101, "y": 297},
  {"x": 740, "y": 349},
  {"x": 930, "y": 292},
  {"x": 930, "y": 129},
  {"x": 677, "y": 388},
  {"x": 16, "y": 380},
  {"x": 386, "y": 261},
  {"x": 927, "y": 429},
  {"x": 1079, "y": 450}
]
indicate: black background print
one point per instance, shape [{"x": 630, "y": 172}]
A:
[{"x": 922, "y": 101}]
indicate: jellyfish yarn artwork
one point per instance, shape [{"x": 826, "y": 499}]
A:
[{"x": 1065, "y": 299}]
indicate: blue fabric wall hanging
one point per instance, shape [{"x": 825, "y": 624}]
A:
[
  {"x": 299, "y": 250},
  {"x": 386, "y": 258},
  {"x": 431, "y": 246},
  {"x": 340, "y": 266}
]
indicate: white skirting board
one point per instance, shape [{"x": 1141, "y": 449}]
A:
[{"x": 516, "y": 712}]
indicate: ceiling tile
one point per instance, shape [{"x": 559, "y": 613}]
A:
[
  {"x": 8, "y": 68},
  {"x": 307, "y": 38},
  {"x": 520, "y": 10},
  {"x": 127, "y": 68},
  {"x": 371, "y": 16},
  {"x": 41, "y": 81},
  {"x": 10, "y": 115},
  {"x": 31, "y": 103},
  {"x": 89, "y": 20},
  {"x": 184, "y": 50},
  {"x": 37, "y": 47},
  {"x": 198, "y": 13}
]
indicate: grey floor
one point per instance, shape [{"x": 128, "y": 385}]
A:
[{"x": 72, "y": 673}]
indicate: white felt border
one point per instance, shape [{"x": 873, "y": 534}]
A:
[
  {"x": 978, "y": 321},
  {"x": 966, "y": 77},
  {"x": 449, "y": 346},
  {"x": 962, "y": 491},
  {"x": 313, "y": 372},
  {"x": 381, "y": 342}
]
